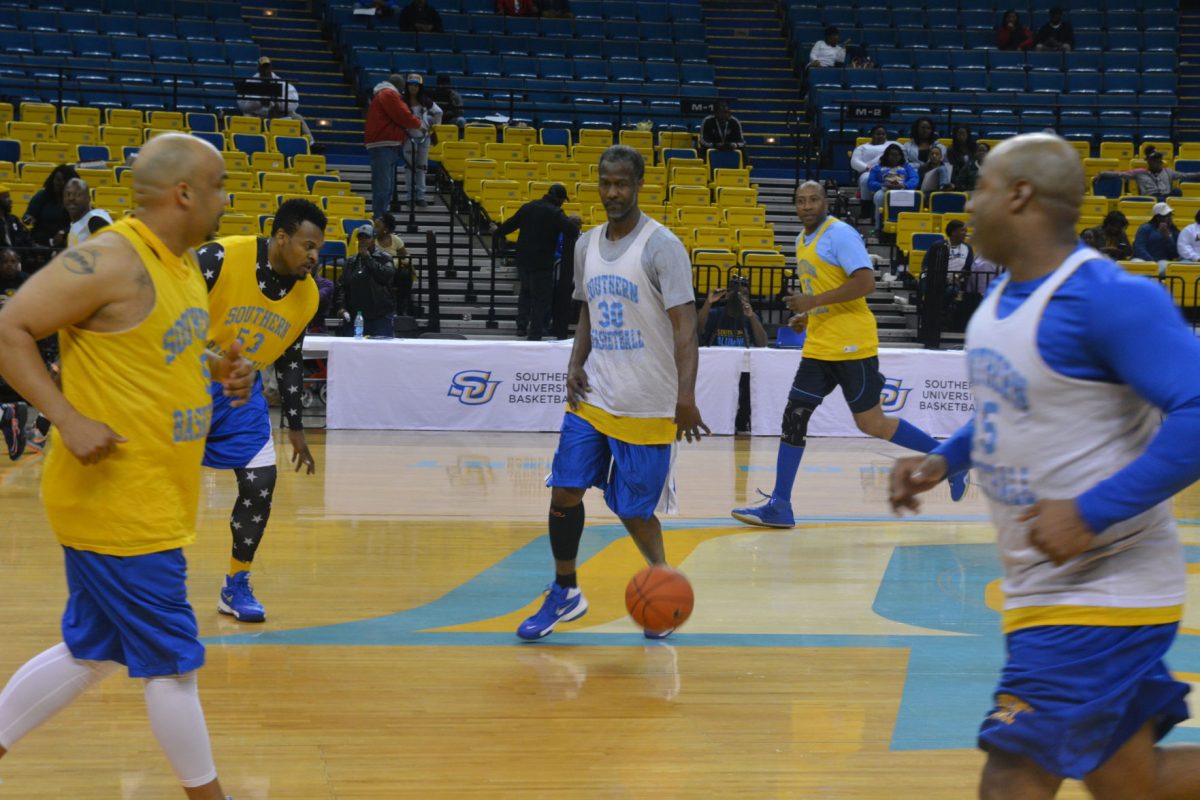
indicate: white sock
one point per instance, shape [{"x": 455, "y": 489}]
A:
[
  {"x": 173, "y": 703},
  {"x": 45, "y": 685}
]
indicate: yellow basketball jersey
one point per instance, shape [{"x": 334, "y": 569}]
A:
[
  {"x": 842, "y": 331},
  {"x": 150, "y": 385},
  {"x": 240, "y": 310}
]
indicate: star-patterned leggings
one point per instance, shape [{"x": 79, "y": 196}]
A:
[{"x": 248, "y": 522}]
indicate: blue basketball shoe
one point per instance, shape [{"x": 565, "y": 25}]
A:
[
  {"x": 649, "y": 634},
  {"x": 958, "y": 485},
  {"x": 561, "y": 605},
  {"x": 238, "y": 601},
  {"x": 774, "y": 513}
]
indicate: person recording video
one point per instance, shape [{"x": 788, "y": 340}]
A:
[{"x": 736, "y": 324}]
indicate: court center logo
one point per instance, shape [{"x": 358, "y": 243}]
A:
[
  {"x": 473, "y": 387},
  {"x": 894, "y": 395}
]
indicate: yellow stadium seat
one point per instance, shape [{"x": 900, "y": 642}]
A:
[
  {"x": 56, "y": 152},
  {"x": 1185, "y": 210},
  {"x": 8, "y": 172},
  {"x": 497, "y": 193},
  {"x": 666, "y": 215},
  {"x": 241, "y": 181},
  {"x": 536, "y": 189},
  {"x": 595, "y": 137},
  {"x": 475, "y": 172},
  {"x": 149, "y": 133},
  {"x": 713, "y": 238},
  {"x": 309, "y": 164},
  {"x": 1084, "y": 149},
  {"x": 766, "y": 271},
  {"x": 235, "y": 161},
  {"x": 521, "y": 171},
  {"x": 45, "y": 113},
  {"x": 238, "y": 225},
  {"x": 1094, "y": 206},
  {"x": 112, "y": 198},
  {"x": 710, "y": 269},
  {"x": 6, "y": 114},
  {"x": 34, "y": 172},
  {"x": 241, "y": 124},
  {"x": 168, "y": 120},
  {"x": 480, "y": 134},
  {"x": 731, "y": 177},
  {"x": 651, "y": 194},
  {"x": 455, "y": 155},
  {"x": 95, "y": 178},
  {"x": 504, "y": 151},
  {"x": 587, "y": 153},
  {"x": 252, "y": 202},
  {"x": 1083, "y": 223},
  {"x": 267, "y": 162},
  {"x": 29, "y": 132},
  {"x": 1181, "y": 279},
  {"x": 344, "y": 206},
  {"x": 285, "y": 127},
  {"x": 331, "y": 188},
  {"x": 441, "y": 135},
  {"x": 686, "y": 163},
  {"x": 1137, "y": 211},
  {"x": 690, "y": 196},
  {"x": 124, "y": 118},
  {"x": 80, "y": 115},
  {"x": 656, "y": 175},
  {"x": 547, "y": 152},
  {"x": 520, "y": 136},
  {"x": 565, "y": 172},
  {"x": 689, "y": 176},
  {"x": 281, "y": 183},
  {"x": 124, "y": 176},
  {"x": 504, "y": 213},
  {"x": 1121, "y": 151},
  {"x": 265, "y": 221},
  {"x": 1094, "y": 166},
  {"x": 1187, "y": 151},
  {"x": 1190, "y": 189},
  {"x": 740, "y": 217},
  {"x": 639, "y": 140},
  {"x": 22, "y": 193},
  {"x": 755, "y": 239},
  {"x": 673, "y": 140},
  {"x": 890, "y": 213},
  {"x": 1166, "y": 148},
  {"x": 1148, "y": 269},
  {"x": 909, "y": 223},
  {"x": 690, "y": 217},
  {"x": 119, "y": 136},
  {"x": 728, "y": 196},
  {"x": 76, "y": 134}
]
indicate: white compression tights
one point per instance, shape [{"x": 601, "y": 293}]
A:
[{"x": 50, "y": 681}]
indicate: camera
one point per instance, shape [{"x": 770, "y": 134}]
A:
[{"x": 739, "y": 284}]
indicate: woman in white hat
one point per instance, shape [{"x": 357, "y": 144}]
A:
[{"x": 416, "y": 150}]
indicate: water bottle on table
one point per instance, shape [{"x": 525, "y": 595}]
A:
[{"x": 358, "y": 325}]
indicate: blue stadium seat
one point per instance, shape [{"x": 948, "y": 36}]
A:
[
  {"x": 933, "y": 80},
  {"x": 1121, "y": 83},
  {"x": 207, "y": 52},
  {"x": 587, "y": 9},
  {"x": 520, "y": 26},
  {"x": 92, "y": 45},
  {"x": 1122, "y": 61},
  {"x": 627, "y": 71},
  {"x": 685, "y": 11},
  {"x": 697, "y": 74},
  {"x": 591, "y": 70},
  {"x": 1115, "y": 40},
  {"x": 34, "y": 20},
  {"x": 970, "y": 80},
  {"x": 202, "y": 123},
  {"x": 454, "y": 23},
  {"x": 978, "y": 19},
  {"x": 661, "y": 72},
  {"x": 559, "y": 28},
  {"x": 1044, "y": 62},
  {"x": 862, "y": 79},
  {"x": 1086, "y": 61},
  {"x": 53, "y": 44},
  {"x": 1160, "y": 21},
  {"x": 892, "y": 57},
  {"x": 1005, "y": 80},
  {"x": 1006, "y": 60},
  {"x": 217, "y": 140},
  {"x": 1159, "y": 83},
  {"x": 620, "y": 10},
  {"x": 897, "y": 78},
  {"x": 584, "y": 48},
  {"x": 242, "y": 54},
  {"x": 78, "y": 23},
  {"x": 93, "y": 152},
  {"x": 621, "y": 49},
  {"x": 487, "y": 25},
  {"x": 1083, "y": 82},
  {"x": 1158, "y": 61},
  {"x": 931, "y": 59},
  {"x": 447, "y": 64},
  {"x": 968, "y": 59},
  {"x": 1161, "y": 40},
  {"x": 877, "y": 37},
  {"x": 469, "y": 44},
  {"x": 1122, "y": 19},
  {"x": 506, "y": 46},
  {"x": 1089, "y": 40},
  {"x": 1054, "y": 82},
  {"x": 654, "y": 12},
  {"x": 156, "y": 27},
  {"x": 688, "y": 31},
  {"x": 487, "y": 66},
  {"x": 520, "y": 66}
]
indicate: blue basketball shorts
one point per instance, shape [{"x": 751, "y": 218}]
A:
[
  {"x": 133, "y": 610},
  {"x": 861, "y": 381},
  {"x": 237, "y": 434},
  {"x": 633, "y": 476},
  {"x": 1071, "y": 695}
]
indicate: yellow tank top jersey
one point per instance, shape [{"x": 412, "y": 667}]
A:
[
  {"x": 842, "y": 331},
  {"x": 150, "y": 385},
  {"x": 241, "y": 311}
]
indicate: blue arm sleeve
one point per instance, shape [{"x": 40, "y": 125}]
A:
[
  {"x": 912, "y": 178},
  {"x": 1136, "y": 331},
  {"x": 957, "y": 449},
  {"x": 1141, "y": 242},
  {"x": 875, "y": 179}
]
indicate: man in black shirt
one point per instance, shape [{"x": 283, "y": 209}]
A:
[
  {"x": 14, "y": 234},
  {"x": 366, "y": 287},
  {"x": 1056, "y": 34},
  {"x": 722, "y": 131},
  {"x": 540, "y": 222},
  {"x": 420, "y": 16}
]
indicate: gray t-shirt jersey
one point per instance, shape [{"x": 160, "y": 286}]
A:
[{"x": 631, "y": 367}]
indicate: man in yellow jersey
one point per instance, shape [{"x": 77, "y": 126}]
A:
[
  {"x": 121, "y": 482},
  {"x": 260, "y": 294},
  {"x": 841, "y": 349},
  {"x": 631, "y": 383}
]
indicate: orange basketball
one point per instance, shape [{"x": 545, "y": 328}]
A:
[{"x": 659, "y": 598}]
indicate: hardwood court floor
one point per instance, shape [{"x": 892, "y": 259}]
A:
[{"x": 851, "y": 657}]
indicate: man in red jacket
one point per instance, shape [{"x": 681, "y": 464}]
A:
[{"x": 389, "y": 120}]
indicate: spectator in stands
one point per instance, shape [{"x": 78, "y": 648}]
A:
[
  {"x": 13, "y": 232},
  {"x": 961, "y": 150},
  {"x": 517, "y": 8},
  {"x": 722, "y": 131},
  {"x": 451, "y": 102},
  {"x": 964, "y": 180},
  {"x": 734, "y": 325},
  {"x": 540, "y": 222},
  {"x": 1012, "y": 35},
  {"x": 941, "y": 284},
  {"x": 421, "y": 17},
  {"x": 285, "y": 104},
  {"x": 387, "y": 241},
  {"x": 416, "y": 151},
  {"x": 389, "y": 122},
  {"x": 46, "y": 214},
  {"x": 827, "y": 52},
  {"x": 1155, "y": 240},
  {"x": 555, "y": 8},
  {"x": 11, "y": 276},
  {"x": 1110, "y": 237},
  {"x": 366, "y": 287},
  {"x": 923, "y": 140},
  {"x": 1057, "y": 34},
  {"x": 864, "y": 157},
  {"x": 1155, "y": 180},
  {"x": 325, "y": 294},
  {"x": 85, "y": 220},
  {"x": 1188, "y": 243},
  {"x": 932, "y": 173},
  {"x": 890, "y": 174},
  {"x": 383, "y": 8}
]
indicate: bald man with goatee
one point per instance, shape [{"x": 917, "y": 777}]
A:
[
  {"x": 1086, "y": 384},
  {"x": 121, "y": 481}
]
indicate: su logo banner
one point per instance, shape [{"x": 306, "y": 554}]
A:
[
  {"x": 473, "y": 387},
  {"x": 894, "y": 395}
]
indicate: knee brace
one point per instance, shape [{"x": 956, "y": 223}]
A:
[{"x": 795, "y": 423}]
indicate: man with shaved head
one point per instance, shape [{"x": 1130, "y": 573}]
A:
[
  {"x": 1087, "y": 413},
  {"x": 121, "y": 482},
  {"x": 841, "y": 349},
  {"x": 85, "y": 220}
]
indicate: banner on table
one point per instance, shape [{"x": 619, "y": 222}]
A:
[
  {"x": 926, "y": 387},
  {"x": 404, "y": 384}
]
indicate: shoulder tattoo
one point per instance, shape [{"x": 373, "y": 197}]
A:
[{"x": 80, "y": 262}]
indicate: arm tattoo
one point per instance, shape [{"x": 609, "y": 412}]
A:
[{"x": 80, "y": 262}]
